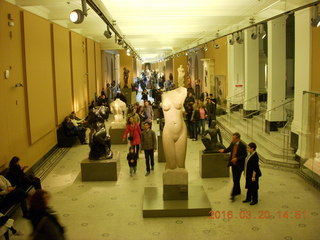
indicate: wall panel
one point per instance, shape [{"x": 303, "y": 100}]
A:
[
  {"x": 39, "y": 75},
  {"x": 79, "y": 77},
  {"x": 99, "y": 81},
  {"x": 315, "y": 72},
  {"x": 62, "y": 72},
  {"x": 91, "y": 68}
]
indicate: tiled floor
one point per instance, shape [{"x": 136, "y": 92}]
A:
[{"x": 113, "y": 210}]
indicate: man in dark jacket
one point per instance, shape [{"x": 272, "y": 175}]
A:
[
  {"x": 238, "y": 155},
  {"x": 211, "y": 111},
  {"x": 149, "y": 145}
]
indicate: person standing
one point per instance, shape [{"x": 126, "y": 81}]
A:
[
  {"x": 237, "y": 158},
  {"x": 203, "y": 115},
  {"x": 134, "y": 134},
  {"x": 132, "y": 160},
  {"x": 195, "y": 119},
  {"x": 211, "y": 111},
  {"x": 149, "y": 145},
  {"x": 252, "y": 173},
  {"x": 149, "y": 112}
]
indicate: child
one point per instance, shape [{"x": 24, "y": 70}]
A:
[{"x": 132, "y": 160}]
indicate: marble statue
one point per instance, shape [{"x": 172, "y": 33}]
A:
[
  {"x": 181, "y": 74},
  {"x": 175, "y": 130},
  {"x": 118, "y": 108},
  {"x": 212, "y": 145},
  {"x": 99, "y": 141}
]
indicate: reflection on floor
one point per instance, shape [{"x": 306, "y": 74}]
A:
[{"x": 113, "y": 210}]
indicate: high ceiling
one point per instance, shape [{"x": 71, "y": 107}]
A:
[{"x": 156, "y": 28}]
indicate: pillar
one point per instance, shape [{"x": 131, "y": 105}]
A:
[
  {"x": 235, "y": 73},
  {"x": 275, "y": 116},
  {"x": 302, "y": 73},
  {"x": 251, "y": 73}
]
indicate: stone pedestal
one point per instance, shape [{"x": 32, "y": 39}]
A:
[
  {"x": 127, "y": 93},
  {"x": 101, "y": 170},
  {"x": 161, "y": 157},
  {"x": 213, "y": 165},
  {"x": 197, "y": 205},
  {"x": 116, "y": 135},
  {"x": 175, "y": 184}
]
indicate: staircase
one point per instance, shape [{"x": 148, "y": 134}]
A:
[{"x": 273, "y": 148}]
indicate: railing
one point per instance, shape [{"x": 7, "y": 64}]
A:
[
  {"x": 254, "y": 103},
  {"x": 256, "y": 124}
]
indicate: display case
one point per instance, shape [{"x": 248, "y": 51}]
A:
[{"x": 310, "y": 136}]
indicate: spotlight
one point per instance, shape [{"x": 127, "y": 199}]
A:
[
  {"x": 216, "y": 46},
  {"x": 254, "y": 33},
  {"x": 205, "y": 47},
  {"x": 231, "y": 40},
  {"x": 120, "y": 41},
  {"x": 239, "y": 38},
  {"x": 315, "y": 21},
  {"x": 108, "y": 33},
  {"x": 76, "y": 16},
  {"x": 262, "y": 32},
  {"x": 186, "y": 53}
]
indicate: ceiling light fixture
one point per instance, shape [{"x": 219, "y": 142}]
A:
[
  {"x": 254, "y": 33},
  {"x": 262, "y": 32},
  {"x": 77, "y": 15},
  {"x": 205, "y": 47},
  {"x": 315, "y": 21},
  {"x": 239, "y": 37},
  {"x": 231, "y": 40},
  {"x": 108, "y": 33}
]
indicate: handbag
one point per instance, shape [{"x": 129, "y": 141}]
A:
[{"x": 130, "y": 138}]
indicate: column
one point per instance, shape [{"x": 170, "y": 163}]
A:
[
  {"x": 276, "y": 73},
  {"x": 302, "y": 71},
  {"x": 251, "y": 73},
  {"x": 235, "y": 73}
]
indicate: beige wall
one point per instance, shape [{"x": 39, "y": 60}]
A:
[
  {"x": 79, "y": 78},
  {"x": 37, "y": 54},
  {"x": 99, "y": 81},
  {"x": 126, "y": 61},
  {"x": 62, "y": 72},
  {"x": 14, "y": 130},
  {"x": 91, "y": 74},
  {"x": 315, "y": 71},
  {"x": 39, "y": 75}
]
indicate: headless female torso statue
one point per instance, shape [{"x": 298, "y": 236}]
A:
[
  {"x": 118, "y": 107},
  {"x": 174, "y": 131}
]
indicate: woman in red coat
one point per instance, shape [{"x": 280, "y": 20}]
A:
[{"x": 134, "y": 134}]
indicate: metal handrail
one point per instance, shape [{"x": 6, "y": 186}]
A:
[
  {"x": 229, "y": 98},
  {"x": 248, "y": 100},
  {"x": 270, "y": 109}
]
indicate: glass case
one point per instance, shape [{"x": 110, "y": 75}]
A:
[{"x": 310, "y": 136}]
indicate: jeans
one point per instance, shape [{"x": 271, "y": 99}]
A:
[
  {"x": 196, "y": 126},
  {"x": 202, "y": 125},
  {"x": 149, "y": 155}
]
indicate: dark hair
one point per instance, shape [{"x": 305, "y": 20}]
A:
[
  {"x": 147, "y": 123},
  {"x": 128, "y": 120},
  {"x": 132, "y": 147},
  {"x": 14, "y": 161},
  {"x": 252, "y": 145},
  {"x": 37, "y": 200},
  {"x": 236, "y": 134}
]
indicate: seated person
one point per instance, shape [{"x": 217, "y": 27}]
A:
[
  {"x": 18, "y": 177},
  {"x": 71, "y": 130},
  {"x": 12, "y": 195}
]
